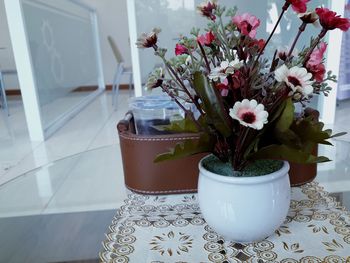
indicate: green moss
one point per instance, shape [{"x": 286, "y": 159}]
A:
[{"x": 257, "y": 168}]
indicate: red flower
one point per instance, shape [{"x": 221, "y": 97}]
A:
[
  {"x": 206, "y": 39},
  {"x": 299, "y": 6},
  {"x": 206, "y": 9},
  {"x": 258, "y": 43},
  {"x": 246, "y": 24},
  {"x": 223, "y": 88},
  {"x": 317, "y": 71},
  {"x": 180, "y": 49},
  {"x": 330, "y": 20},
  {"x": 238, "y": 80}
]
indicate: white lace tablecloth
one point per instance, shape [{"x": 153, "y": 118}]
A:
[{"x": 171, "y": 229}]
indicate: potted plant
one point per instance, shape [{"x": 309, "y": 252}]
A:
[{"x": 243, "y": 106}]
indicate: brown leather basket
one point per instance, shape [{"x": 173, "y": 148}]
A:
[{"x": 144, "y": 176}]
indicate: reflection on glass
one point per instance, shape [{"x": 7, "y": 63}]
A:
[{"x": 61, "y": 41}]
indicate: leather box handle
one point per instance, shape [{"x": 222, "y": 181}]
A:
[{"x": 127, "y": 123}]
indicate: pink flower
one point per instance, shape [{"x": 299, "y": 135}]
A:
[
  {"x": 206, "y": 39},
  {"x": 223, "y": 88},
  {"x": 207, "y": 9},
  {"x": 329, "y": 20},
  {"x": 317, "y": 55},
  {"x": 180, "y": 49},
  {"x": 246, "y": 24},
  {"x": 299, "y": 6},
  {"x": 315, "y": 65}
]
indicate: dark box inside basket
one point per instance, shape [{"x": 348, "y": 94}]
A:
[{"x": 144, "y": 176}]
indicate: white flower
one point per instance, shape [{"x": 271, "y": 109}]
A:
[
  {"x": 249, "y": 114},
  {"x": 298, "y": 79},
  {"x": 225, "y": 69}
]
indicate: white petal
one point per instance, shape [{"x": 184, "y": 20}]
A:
[
  {"x": 281, "y": 73},
  {"x": 258, "y": 125},
  {"x": 259, "y": 108},
  {"x": 308, "y": 76},
  {"x": 262, "y": 116},
  {"x": 245, "y": 103},
  {"x": 308, "y": 90},
  {"x": 224, "y": 64},
  {"x": 253, "y": 104}
]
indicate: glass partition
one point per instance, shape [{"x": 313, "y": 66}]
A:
[{"x": 61, "y": 39}]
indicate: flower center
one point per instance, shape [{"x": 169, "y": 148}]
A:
[
  {"x": 248, "y": 117},
  {"x": 294, "y": 81}
]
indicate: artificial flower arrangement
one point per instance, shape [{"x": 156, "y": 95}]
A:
[{"x": 244, "y": 103}]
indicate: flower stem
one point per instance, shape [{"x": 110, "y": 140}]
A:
[
  {"x": 284, "y": 9},
  {"x": 237, "y": 156},
  {"x": 177, "y": 80},
  {"x": 226, "y": 41},
  {"x": 301, "y": 30},
  {"x": 186, "y": 111},
  {"x": 204, "y": 56}
]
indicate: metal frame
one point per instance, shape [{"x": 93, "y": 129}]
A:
[
  {"x": 4, "y": 104},
  {"x": 134, "y": 51},
  {"x": 328, "y": 104},
  {"x": 2, "y": 89},
  {"x": 26, "y": 76}
]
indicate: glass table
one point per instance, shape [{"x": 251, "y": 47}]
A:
[{"x": 60, "y": 212}]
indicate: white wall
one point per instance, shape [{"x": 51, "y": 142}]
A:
[{"x": 112, "y": 18}]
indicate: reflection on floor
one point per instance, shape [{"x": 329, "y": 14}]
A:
[
  {"x": 92, "y": 128},
  {"x": 72, "y": 237},
  {"x": 89, "y": 181}
]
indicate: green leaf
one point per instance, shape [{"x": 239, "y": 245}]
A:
[
  {"x": 283, "y": 152},
  {"x": 213, "y": 105},
  {"x": 179, "y": 126},
  {"x": 309, "y": 130},
  {"x": 288, "y": 137},
  {"x": 286, "y": 118},
  {"x": 187, "y": 148},
  {"x": 338, "y": 134}
]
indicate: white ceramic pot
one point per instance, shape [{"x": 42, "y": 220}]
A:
[{"x": 244, "y": 209}]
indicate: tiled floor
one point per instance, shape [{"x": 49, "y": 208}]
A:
[
  {"x": 81, "y": 168},
  {"x": 92, "y": 128}
]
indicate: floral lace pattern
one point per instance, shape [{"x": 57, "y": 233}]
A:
[{"x": 171, "y": 229}]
